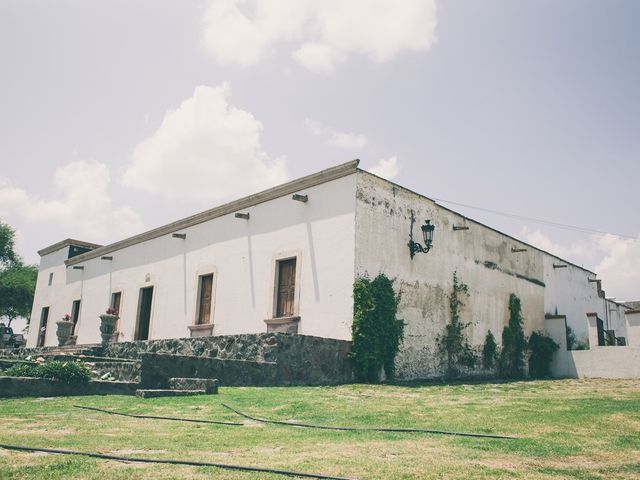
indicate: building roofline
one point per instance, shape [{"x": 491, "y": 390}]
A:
[
  {"x": 323, "y": 176},
  {"x": 66, "y": 243},
  {"x": 477, "y": 222}
]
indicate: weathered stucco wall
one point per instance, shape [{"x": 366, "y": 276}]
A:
[
  {"x": 242, "y": 256},
  {"x": 482, "y": 257}
]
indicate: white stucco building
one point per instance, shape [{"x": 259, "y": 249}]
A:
[{"x": 286, "y": 259}]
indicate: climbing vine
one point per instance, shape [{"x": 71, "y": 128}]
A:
[
  {"x": 452, "y": 344},
  {"x": 514, "y": 342},
  {"x": 376, "y": 332}
]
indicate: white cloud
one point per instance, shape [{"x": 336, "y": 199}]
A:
[
  {"x": 81, "y": 206},
  {"x": 322, "y": 33},
  {"x": 620, "y": 268},
  {"x": 348, "y": 141},
  {"x": 386, "y": 168},
  {"x": 205, "y": 150},
  {"x": 344, "y": 140},
  {"x": 616, "y": 260},
  {"x": 583, "y": 252}
]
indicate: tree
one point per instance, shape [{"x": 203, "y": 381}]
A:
[
  {"x": 17, "y": 285},
  {"x": 17, "y": 280},
  {"x": 7, "y": 255}
]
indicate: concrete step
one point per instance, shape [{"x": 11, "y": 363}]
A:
[
  {"x": 209, "y": 385},
  {"x": 161, "y": 392}
]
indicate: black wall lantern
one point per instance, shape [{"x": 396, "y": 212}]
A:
[{"x": 427, "y": 235}]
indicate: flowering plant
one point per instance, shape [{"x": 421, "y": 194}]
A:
[
  {"x": 112, "y": 311},
  {"x": 66, "y": 317}
]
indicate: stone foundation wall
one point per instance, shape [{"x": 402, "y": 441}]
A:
[
  {"x": 251, "y": 359},
  {"x": 299, "y": 359},
  {"x": 157, "y": 370},
  {"x": 42, "y": 387}
]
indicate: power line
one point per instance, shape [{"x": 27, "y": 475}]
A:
[{"x": 538, "y": 220}]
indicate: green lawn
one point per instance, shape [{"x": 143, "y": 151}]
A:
[{"x": 566, "y": 429}]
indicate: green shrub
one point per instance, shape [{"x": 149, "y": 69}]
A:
[
  {"x": 452, "y": 344},
  {"x": 22, "y": 370},
  {"x": 376, "y": 333},
  {"x": 572, "y": 341},
  {"x": 583, "y": 344},
  {"x": 489, "y": 351},
  {"x": 66, "y": 372},
  {"x": 541, "y": 349},
  {"x": 514, "y": 343}
]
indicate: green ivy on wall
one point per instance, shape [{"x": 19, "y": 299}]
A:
[
  {"x": 376, "y": 332},
  {"x": 452, "y": 344}
]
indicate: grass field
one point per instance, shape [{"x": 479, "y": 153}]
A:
[{"x": 566, "y": 429}]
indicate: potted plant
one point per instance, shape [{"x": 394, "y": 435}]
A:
[
  {"x": 108, "y": 322},
  {"x": 65, "y": 327}
]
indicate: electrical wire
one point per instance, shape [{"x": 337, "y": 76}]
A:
[
  {"x": 176, "y": 419},
  {"x": 368, "y": 429},
  {"x": 191, "y": 463},
  {"x": 538, "y": 220}
]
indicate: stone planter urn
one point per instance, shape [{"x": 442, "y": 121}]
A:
[
  {"x": 65, "y": 327},
  {"x": 107, "y": 326}
]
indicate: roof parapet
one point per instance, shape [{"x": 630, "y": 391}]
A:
[{"x": 65, "y": 243}]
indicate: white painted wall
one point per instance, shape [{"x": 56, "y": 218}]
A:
[
  {"x": 597, "y": 362},
  {"x": 556, "y": 328},
  {"x": 58, "y": 296},
  {"x": 241, "y": 254},
  {"x": 605, "y": 362},
  {"x": 633, "y": 328},
  {"x": 615, "y": 318},
  {"x": 382, "y": 233},
  {"x": 568, "y": 292}
]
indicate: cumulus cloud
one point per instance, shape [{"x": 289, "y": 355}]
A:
[
  {"x": 616, "y": 260},
  {"x": 344, "y": 140},
  {"x": 81, "y": 205},
  {"x": 322, "y": 33},
  {"x": 386, "y": 168},
  {"x": 205, "y": 150}
]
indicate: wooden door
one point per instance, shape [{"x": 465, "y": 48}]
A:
[
  {"x": 42, "y": 333},
  {"x": 144, "y": 313},
  {"x": 75, "y": 315},
  {"x": 286, "y": 288},
  {"x": 204, "y": 305}
]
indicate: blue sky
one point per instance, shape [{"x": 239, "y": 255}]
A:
[{"x": 119, "y": 117}]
